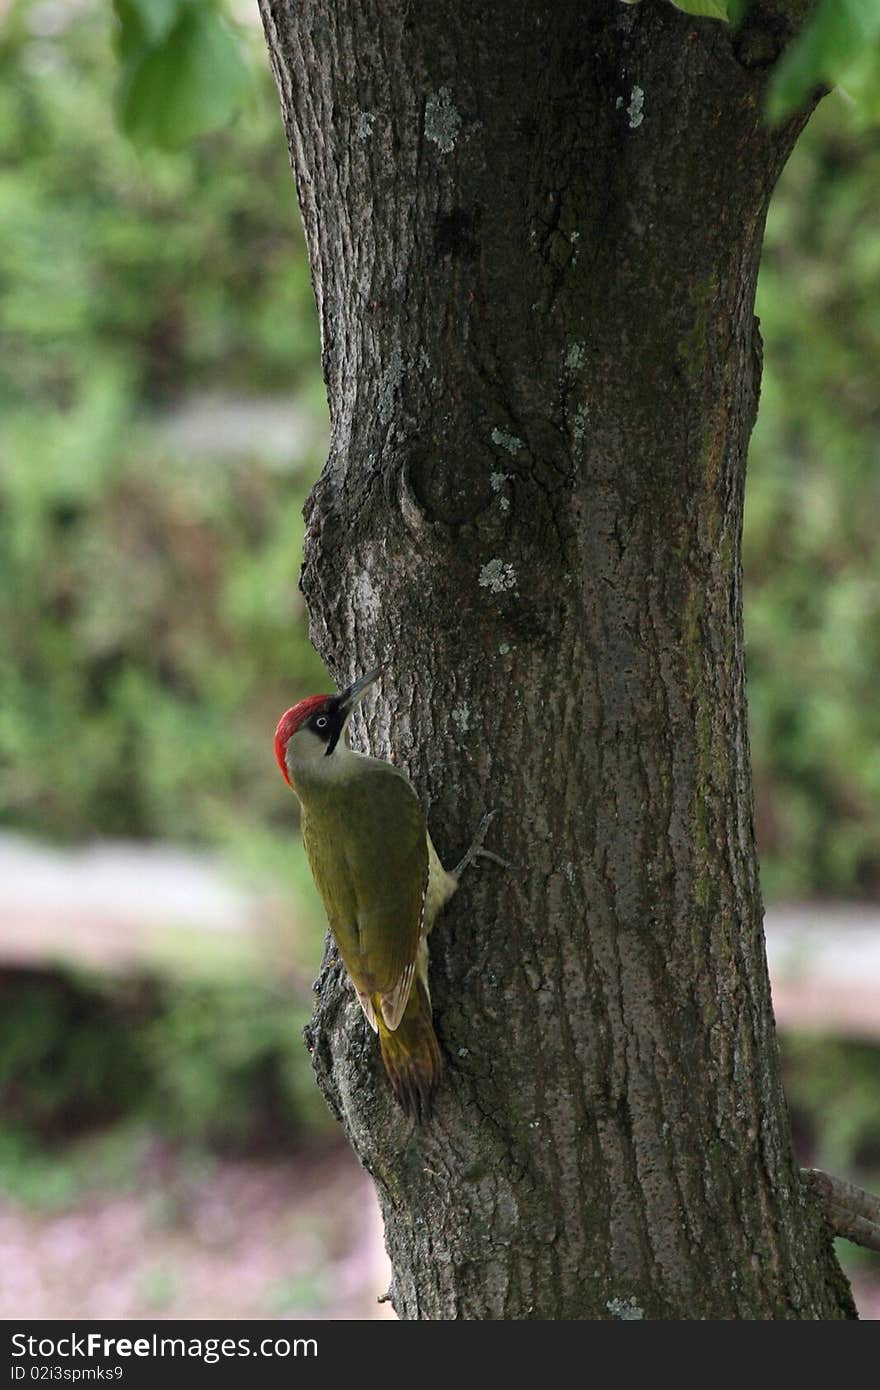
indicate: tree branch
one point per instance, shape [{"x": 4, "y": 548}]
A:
[
  {"x": 767, "y": 28},
  {"x": 848, "y": 1210}
]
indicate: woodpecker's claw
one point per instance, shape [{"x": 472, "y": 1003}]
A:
[{"x": 476, "y": 850}]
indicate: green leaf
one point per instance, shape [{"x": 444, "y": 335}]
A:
[
  {"x": 143, "y": 23},
  {"x": 192, "y": 81},
  {"x": 860, "y": 85},
  {"x": 704, "y": 9},
  {"x": 834, "y": 41}
]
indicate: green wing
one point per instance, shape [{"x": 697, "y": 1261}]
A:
[{"x": 369, "y": 860}]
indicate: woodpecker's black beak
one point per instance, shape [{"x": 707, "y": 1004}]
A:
[{"x": 348, "y": 698}]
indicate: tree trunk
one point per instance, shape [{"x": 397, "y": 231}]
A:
[{"x": 534, "y": 229}]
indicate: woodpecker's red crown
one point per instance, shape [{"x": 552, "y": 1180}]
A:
[
  {"x": 326, "y": 716},
  {"x": 291, "y": 720}
]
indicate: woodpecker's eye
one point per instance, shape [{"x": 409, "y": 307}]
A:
[{"x": 321, "y": 721}]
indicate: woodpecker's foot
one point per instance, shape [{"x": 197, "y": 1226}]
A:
[{"x": 476, "y": 850}]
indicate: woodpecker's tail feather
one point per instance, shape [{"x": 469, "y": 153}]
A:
[{"x": 411, "y": 1054}]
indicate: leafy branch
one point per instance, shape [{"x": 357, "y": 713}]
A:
[{"x": 837, "y": 46}]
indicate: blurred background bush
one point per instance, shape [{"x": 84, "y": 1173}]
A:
[
  {"x": 161, "y": 419},
  {"x": 812, "y": 531}
]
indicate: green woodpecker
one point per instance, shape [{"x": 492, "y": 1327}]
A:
[{"x": 379, "y": 877}]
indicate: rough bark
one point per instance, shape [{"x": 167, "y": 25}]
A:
[{"x": 534, "y": 229}]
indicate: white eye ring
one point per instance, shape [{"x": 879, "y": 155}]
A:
[{"x": 321, "y": 722}]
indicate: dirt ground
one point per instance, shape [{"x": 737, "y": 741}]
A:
[{"x": 228, "y": 1240}]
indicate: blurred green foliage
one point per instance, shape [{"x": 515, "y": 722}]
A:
[
  {"x": 832, "y": 1085},
  {"x": 153, "y": 630},
  {"x": 183, "y": 69},
  {"x": 833, "y": 1090},
  {"x": 50, "y": 1177},
  {"x": 812, "y": 529},
  {"x": 839, "y": 44},
  {"x": 214, "y": 1062},
  {"x": 152, "y": 625}
]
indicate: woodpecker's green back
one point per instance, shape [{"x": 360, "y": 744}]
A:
[{"x": 365, "y": 836}]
